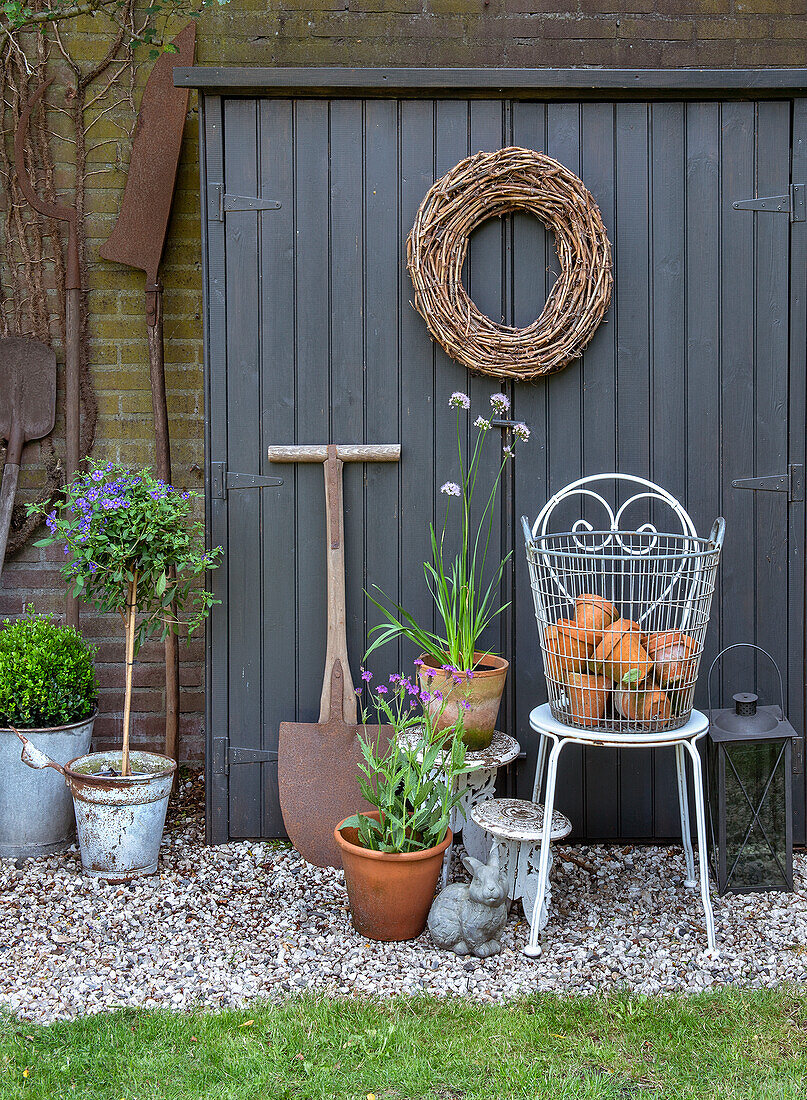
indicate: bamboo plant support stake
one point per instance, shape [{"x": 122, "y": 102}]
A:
[{"x": 131, "y": 612}]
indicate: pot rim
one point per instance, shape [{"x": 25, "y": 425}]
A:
[
  {"x": 599, "y": 601},
  {"x": 671, "y": 637},
  {"x": 110, "y": 781},
  {"x": 51, "y": 729},
  {"x": 388, "y": 857},
  {"x": 497, "y": 664},
  {"x": 614, "y": 637}
]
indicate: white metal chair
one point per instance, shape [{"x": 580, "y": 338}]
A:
[{"x": 666, "y": 583}]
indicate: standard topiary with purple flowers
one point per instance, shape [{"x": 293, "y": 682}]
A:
[{"x": 134, "y": 547}]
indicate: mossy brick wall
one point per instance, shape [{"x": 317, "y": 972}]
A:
[{"x": 620, "y": 33}]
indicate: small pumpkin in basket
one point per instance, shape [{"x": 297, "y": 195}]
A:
[
  {"x": 567, "y": 650},
  {"x": 651, "y": 709},
  {"x": 621, "y": 654},
  {"x": 593, "y": 614},
  {"x": 588, "y": 697},
  {"x": 673, "y": 654}
]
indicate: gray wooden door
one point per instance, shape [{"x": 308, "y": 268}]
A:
[{"x": 696, "y": 379}]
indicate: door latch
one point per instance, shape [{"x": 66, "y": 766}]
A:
[
  {"x": 223, "y": 481},
  {"x": 791, "y": 482}
]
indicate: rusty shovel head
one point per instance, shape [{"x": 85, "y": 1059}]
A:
[
  {"x": 318, "y": 781},
  {"x": 27, "y": 387}
]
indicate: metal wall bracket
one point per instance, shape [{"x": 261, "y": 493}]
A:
[
  {"x": 793, "y": 203},
  {"x": 223, "y": 480},
  {"x": 791, "y": 483},
  {"x": 219, "y": 202},
  {"x": 226, "y": 755}
]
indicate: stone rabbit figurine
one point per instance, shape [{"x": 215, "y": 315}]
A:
[{"x": 469, "y": 919}]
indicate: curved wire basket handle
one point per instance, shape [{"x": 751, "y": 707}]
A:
[{"x": 745, "y": 645}]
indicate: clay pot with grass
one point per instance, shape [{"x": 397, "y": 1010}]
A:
[
  {"x": 135, "y": 549},
  {"x": 621, "y": 654}
]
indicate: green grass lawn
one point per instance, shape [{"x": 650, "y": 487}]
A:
[{"x": 730, "y": 1044}]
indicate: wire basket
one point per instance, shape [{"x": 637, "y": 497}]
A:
[{"x": 622, "y": 618}]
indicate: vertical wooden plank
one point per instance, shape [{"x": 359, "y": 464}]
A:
[
  {"x": 384, "y": 265},
  {"x": 738, "y": 402},
  {"x": 667, "y": 368},
  {"x": 530, "y": 472},
  {"x": 771, "y": 278},
  {"x": 416, "y": 365},
  {"x": 796, "y": 514},
  {"x": 279, "y": 580},
  {"x": 634, "y": 430},
  {"x": 215, "y": 321},
  {"x": 564, "y": 433},
  {"x": 599, "y": 426},
  {"x": 312, "y": 395},
  {"x": 347, "y": 398},
  {"x": 244, "y": 558},
  {"x": 703, "y": 274}
]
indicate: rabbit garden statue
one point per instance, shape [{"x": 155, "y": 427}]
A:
[{"x": 469, "y": 919}]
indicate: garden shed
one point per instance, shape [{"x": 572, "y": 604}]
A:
[{"x": 310, "y": 181}]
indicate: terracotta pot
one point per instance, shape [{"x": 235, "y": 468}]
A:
[
  {"x": 567, "y": 650},
  {"x": 649, "y": 709},
  {"x": 621, "y": 652},
  {"x": 673, "y": 655},
  {"x": 588, "y": 697},
  {"x": 390, "y": 894},
  {"x": 482, "y": 692},
  {"x": 594, "y": 614}
]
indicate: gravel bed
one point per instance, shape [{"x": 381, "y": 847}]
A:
[{"x": 221, "y": 926}]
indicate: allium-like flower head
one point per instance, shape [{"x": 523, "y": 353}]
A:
[
  {"x": 500, "y": 403},
  {"x": 366, "y": 675},
  {"x": 451, "y": 489},
  {"x": 459, "y": 400},
  {"x": 508, "y": 452},
  {"x": 521, "y": 431},
  {"x": 481, "y": 423}
]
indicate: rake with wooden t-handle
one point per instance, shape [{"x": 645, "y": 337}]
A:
[{"x": 318, "y": 762}]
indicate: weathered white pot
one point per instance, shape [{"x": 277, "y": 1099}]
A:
[
  {"x": 120, "y": 819},
  {"x": 36, "y": 810}
]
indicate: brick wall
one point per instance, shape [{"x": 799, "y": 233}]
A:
[{"x": 619, "y": 33}]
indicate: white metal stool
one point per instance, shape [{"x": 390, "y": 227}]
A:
[
  {"x": 517, "y": 826},
  {"x": 684, "y": 740}
]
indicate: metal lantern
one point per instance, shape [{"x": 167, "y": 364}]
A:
[{"x": 750, "y": 767}]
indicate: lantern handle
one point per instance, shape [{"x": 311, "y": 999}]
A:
[{"x": 746, "y": 645}]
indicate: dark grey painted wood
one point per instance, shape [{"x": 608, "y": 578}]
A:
[
  {"x": 686, "y": 382},
  {"x": 514, "y": 82}
]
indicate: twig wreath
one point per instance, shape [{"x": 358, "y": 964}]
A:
[{"x": 489, "y": 185}]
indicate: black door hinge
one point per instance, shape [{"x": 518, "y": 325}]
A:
[
  {"x": 794, "y": 203},
  {"x": 791, "y": 482},
  {"x": 226, "y": 755},
  {"x": 223, "y": 481},
  {"x": 221, "y": 202}
]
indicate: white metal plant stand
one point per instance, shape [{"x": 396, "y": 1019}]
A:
[
  {"x": 476, "y": 784},
  {"x": 517, "y": 827},
  {"x": 684, "y": 739}
]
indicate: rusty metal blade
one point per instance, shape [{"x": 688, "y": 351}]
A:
[
  {"x": 318, "y": 782},
  {"x": 139, "y": 233},
  {"x": 27, "y": 388}
]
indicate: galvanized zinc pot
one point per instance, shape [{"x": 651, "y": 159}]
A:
[
  {"x": 36, "y": 810},
  {"x": 119, "y": 818}
]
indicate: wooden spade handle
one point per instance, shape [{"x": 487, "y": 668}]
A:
[
  {"x": 336, "y": 648},
  {"x": 347, "y": 452}
]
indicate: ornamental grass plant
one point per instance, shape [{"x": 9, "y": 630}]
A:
[
  {"x": 133, "y": 547},
  {"x": 464, "y": 596}
]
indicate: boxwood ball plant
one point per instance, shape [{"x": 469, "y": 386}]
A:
[
  {"x": 134, "y": 547},
  {"x": 47, "y": 675}
]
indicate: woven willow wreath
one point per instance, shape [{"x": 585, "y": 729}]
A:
[{"x": 489, "y": 185}]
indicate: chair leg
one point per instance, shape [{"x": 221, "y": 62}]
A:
[
  {"x": 532, "y": 949},
  {"x": 683, "y": 802},
  {"x": 543, "y": 742},
  {"x": 700, "y": 815}
]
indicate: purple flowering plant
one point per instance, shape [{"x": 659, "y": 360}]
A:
[
  {"x": 464, "y": 587},
  {"x": 410, "y": 780}
]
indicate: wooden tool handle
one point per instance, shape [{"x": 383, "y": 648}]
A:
[
  {"x": 11, "y": 471},
  {"x": 336, "y": 648},
  {"x": 347, "y": 452}
]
